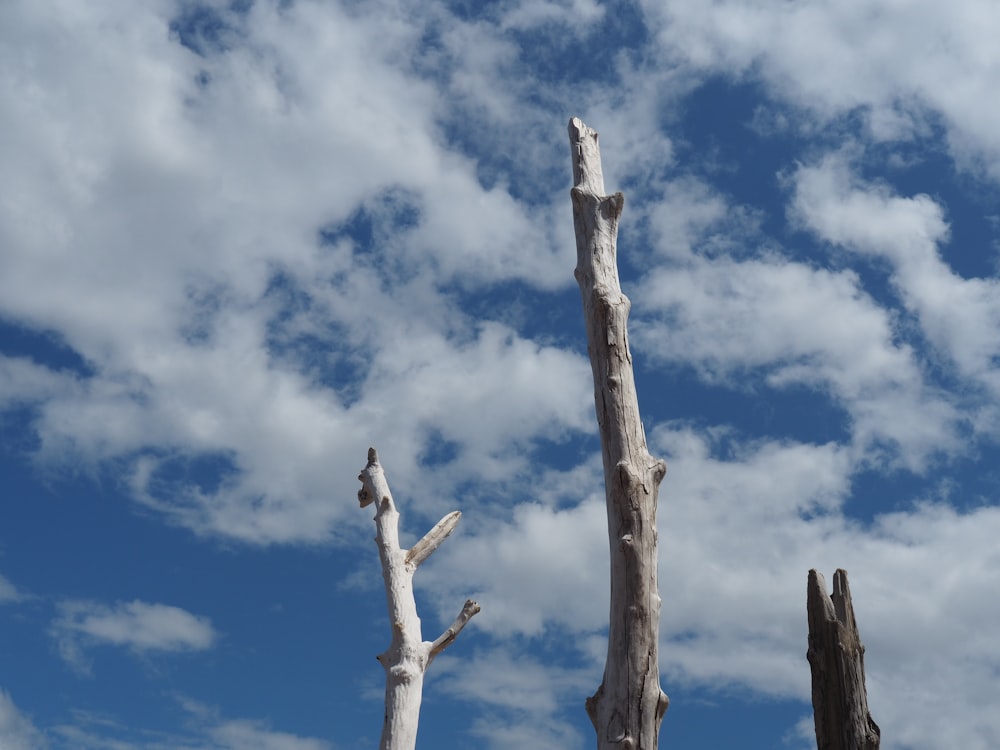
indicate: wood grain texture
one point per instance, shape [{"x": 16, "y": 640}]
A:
[
  {"x": 837, "y": 659},
  {"x": 628, "y": 707}
]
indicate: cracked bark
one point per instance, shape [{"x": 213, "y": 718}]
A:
[
  {"x": 837, "y": 660},
  {"x": 628, "y": 707}
]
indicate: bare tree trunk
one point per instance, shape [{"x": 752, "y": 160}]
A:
[
  {"x": 837, "y": 658},
  {"x": 408, "y": 656},
  {"x": 628, "y": 706}
]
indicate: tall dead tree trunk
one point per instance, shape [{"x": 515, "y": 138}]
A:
[
  {"x": 837, "y": 659},
  {"x": 628, "y": 707},
  {"x": 408, "y": 656}
]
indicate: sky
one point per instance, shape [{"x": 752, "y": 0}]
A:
[{"x": 241, "y": 241}]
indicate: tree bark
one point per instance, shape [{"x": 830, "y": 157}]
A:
[
  {"x": 408, "y": 655},
  {"x": 837, "y": 659},
  {"x": 628, "y": 707}
]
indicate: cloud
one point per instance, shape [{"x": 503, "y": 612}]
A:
[
  {"x": 25, "y": 383},
  {"x": 263, "y": 266},
  {"x": 253, "y": 735},
  {"x": 906, "y": 68},
  {"x": 740, "y": 322},
  {"x": 544, "y": 568},
  {"x": 738, "y": 536},
  {"x": 200, "y": 250},
  {"x": 139, "y": 626},
  {"x": 8, "y": 592},
  {"x": 202, "y": 728},
  {"x": 959, "y": 316},
  {"x": 741, "y": 522},
  {"x": 17, "y": 732},
  {"x": 526, "y": 697},
  {"x": 574, "y": 14},
  {"x": 528, "y": 733},
  {"x": 869, "y": 218},
  {"x": 691, "y": 217},
  {"x": 928, "y": 616}
]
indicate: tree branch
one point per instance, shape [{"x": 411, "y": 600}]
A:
[
  {"x": 444, "y": 640},
  {"x": 432, "y": 539},
  {"x": 628, "y": 706},
  {"x": 408, "y": 655},
  {"x": 837, "y": 659}
]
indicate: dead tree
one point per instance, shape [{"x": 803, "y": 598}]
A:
[
  {"x": 408, "y": 656},
  {"x": 628, "y": 707},
  {"x": 837, "y": 659}
]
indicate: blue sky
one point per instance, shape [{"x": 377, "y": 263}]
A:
[{"x": 240, "y": 242}]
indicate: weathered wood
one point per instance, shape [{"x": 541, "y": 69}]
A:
[
  {"x": 837, "y": 659},
  {"x": 408, "y": 655},
  {"x": 628, "y": 707}
]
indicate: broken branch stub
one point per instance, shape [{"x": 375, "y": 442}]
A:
[
  {"x": 837, "y": 660},
  {"x": 408, "y": 656}
]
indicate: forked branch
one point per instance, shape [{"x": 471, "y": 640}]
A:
[
  {"x": 408, "y": 655},
  {"x": 837, "y": 659}
]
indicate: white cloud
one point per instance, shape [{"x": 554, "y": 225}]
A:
[
  {"x": 574, "y": 14},
  {"x": 525, "y": 696},
  {"x": 634, "y": 149},
  {"x": 139, "y": 626},
  {"x": 8, "y": 592},
  {"x": 544, "y": 568},
  {"x": 741, "y": 523},
  {"x": 518, "y": 683},
  {"x": 959, "y": 316},
  {"x": 23, "y": 382},
  {"x": 205, "y": 728},
  {"x": 792, "y": 324},
  {"x": 529, "y": 734},
  {"x": 720, "y": 297},
  {"x": 17, "y": 732},
  {"x": 737, "y": 539},
  {"x": 905, "y": 65},
  {"x": 735, "y": 546},
  {"x": 164, "y": 214},
  {"x": 491, "y": 394},
  {"x": 253, "y": 735},
  {"x": 692, "y": 217},
  {"x": 868, "y": 218},
  {"x": 926, "y": 616}
]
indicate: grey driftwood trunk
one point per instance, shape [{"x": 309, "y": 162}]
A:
[
  {"x": 629, "y": 705},
  {"x": 408, "y": 655},
  {"x": 837, "y": 658}
]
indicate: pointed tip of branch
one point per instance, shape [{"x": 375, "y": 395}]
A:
[
  {"x": 841, "y": 597},
  {"x": 836, "y": 606},
  {"x": 840, "y": 585},
  {"x": 469, "y": 610},
  {"x": 586, "y": 153},
  {"x": 578, "y": 128},
  {"x": 365, "y": 496},
  {"x": 432, "y": 539},
  {"x": 819, "y": 605}
]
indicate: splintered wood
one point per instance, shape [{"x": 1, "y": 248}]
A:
[{"x": 837, "y": 658}]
